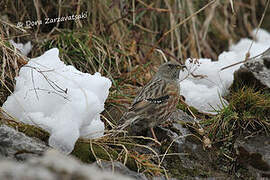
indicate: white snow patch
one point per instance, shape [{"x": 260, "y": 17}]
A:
[
  {"x": 60, "y": 99},
  {"x": 206, "y": 93},
  {"x": 23, "y": 48}
]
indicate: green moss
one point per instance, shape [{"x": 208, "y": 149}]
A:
[
  {"x": 29, "y": 130},
  {"x": 248, "y": 112},
  {"x": 247, "y": 109},
  {"x": 90, "y": 152}
]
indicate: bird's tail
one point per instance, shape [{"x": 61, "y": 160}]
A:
[{"x": 126, "y": 120}]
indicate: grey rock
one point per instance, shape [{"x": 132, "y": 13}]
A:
[
  {"x": 255, "y": 72},
  {"x": 191, "y": 158},
  {"x": 254, "y": 153},
  {"x": 12, "y": 170},
  {"x": 14, "y": 144},
  {"x": 163, "y": 178},
  {"x": 120, "y": 168},
  {"x": 53, "y": 166}
]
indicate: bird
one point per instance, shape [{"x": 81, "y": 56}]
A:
[{"x": 155, "y": 102}]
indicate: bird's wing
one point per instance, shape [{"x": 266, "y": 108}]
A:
[
  {"x": 146, "y": 103},
  {"x": 156, "y": 94},
  {"x": 154, "y": 89},
  {"x": 155, "y": 97}
]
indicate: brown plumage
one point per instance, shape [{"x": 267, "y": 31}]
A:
[{"x": 155, "y": 102}]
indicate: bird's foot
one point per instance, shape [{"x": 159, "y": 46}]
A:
[{"x": 155, "y": 137}]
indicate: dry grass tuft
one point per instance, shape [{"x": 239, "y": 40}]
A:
[{"x": 248, "y": 112}]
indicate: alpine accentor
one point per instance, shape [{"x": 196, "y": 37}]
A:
[{"x": 155, "y": 102}]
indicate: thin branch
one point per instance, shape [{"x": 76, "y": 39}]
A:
[
  {"x": 179, "y": 24},
  {"x": 260, "y": 23}
]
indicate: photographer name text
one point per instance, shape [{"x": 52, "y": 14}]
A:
[{"x": 30, "y": 23}]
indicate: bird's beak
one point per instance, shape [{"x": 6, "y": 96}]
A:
[{"x": 181, "y": 66}]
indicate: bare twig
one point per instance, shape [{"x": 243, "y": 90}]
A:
[
  {"x": 260, "y": 23},
  {"x": 248, "y": 53},
  {"x": 177, "y": 25},
  {"x": 36, "y": 3}
]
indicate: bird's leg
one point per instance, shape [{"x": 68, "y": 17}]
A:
[{"x": 154, "y": 136}]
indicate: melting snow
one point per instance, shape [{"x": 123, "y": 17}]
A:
[
  {"x": 206, "y": 93},
  {"x": 60, "y": 99},
  {"x": 23, "y": 48}
]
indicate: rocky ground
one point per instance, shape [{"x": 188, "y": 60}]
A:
[
  {"x": 187, "y": 151},
  {"x": 190, "y": 152}
]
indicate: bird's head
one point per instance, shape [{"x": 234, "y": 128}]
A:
[{"x": 170, "y": 70}]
